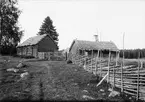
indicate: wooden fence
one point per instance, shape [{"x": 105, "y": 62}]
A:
[{"x": 130, "y": 79}]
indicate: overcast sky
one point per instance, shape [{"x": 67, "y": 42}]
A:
[{"x": 81, "y": 19}]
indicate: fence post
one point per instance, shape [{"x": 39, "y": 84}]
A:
[
  {"x": 121, "y": 77},
  {"x": 96, "y": 62},
  {"x": 113, "y": 77},
  {"x": 100, "y": 64},
  {"x": 85, "y": 67},
  {"x": 92, "y": 62},
  {"x": 109, "y": 66},
  {"x": 138, "y": 75}
]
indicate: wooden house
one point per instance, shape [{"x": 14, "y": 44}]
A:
[
  {"x": 93, "y": 48},
  {"x": 37, "y": 44}
]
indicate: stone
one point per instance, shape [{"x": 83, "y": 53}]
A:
[
  {"x": 13, "y": 69},
  {"x": 101, "y": 90},
  {"x": 75, "y": 84},
  {"x": 86, "y": 91},
  {"x": 24, "y": 74},
  {"x": 114, "y": 93},
  {"x": 110, "y": 89},
  {"x": 20, "y": 65},
  {"x": 75, "y": 69},
  {"x": 88, "y": 97},
  {"x": 103, "y": 94}
]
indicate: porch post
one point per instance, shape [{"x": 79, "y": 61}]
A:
[
  {"x": 117, "y": 58},
  {"x": 96, "y": 62}
]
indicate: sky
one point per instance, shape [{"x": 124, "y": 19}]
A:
[{"x": 82, "y": 19}]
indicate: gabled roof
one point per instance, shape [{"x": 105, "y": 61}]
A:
[
  {"x": 93, "y": 45},
  {"x": 34, "y": 40}
]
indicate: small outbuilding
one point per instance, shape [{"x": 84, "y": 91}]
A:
[{"x": 37, "y": 44}]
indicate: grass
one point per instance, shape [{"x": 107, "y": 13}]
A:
[{"x": 51, "y": 80}]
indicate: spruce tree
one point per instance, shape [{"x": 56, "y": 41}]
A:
[{"x": 48, "y": 28}]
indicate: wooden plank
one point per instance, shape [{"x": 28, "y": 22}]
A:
[
  {"x": 130, "y": 93},
  {"x": 129, "y": 89}
]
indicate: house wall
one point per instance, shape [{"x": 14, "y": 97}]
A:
[
  {"x": 74, "y": 49},
  {"x": 46, "y": 45}
]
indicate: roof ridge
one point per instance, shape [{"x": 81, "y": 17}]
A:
[{"x": 84, "y": 44}]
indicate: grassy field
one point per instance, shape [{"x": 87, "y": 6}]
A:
[{"x": 51, "y": 80}]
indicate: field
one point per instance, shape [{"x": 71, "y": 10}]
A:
[{"x": 51, "y": 80}]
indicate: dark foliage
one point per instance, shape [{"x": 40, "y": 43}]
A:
[
  {"x": 10, "y": 33},
  {"x": 8, "y": 50},
  {"x": 133, "y": 53},
  {"x": 48, "y": 28}
]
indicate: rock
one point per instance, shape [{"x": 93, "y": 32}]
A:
[
  {"x": 114, "y": 93},
  {"x": 101, "y": 90},
  {"x": 20, "y": 65},
  {"x": 9, "y": 60},
  {"x": 75, "y": 84},
  {"x": 13, "y": 69},
  {"x": 88, "y": 84},
  {"x": 86, "y": 91},
  {"x": 88, "y": 97},
  {"x": 130, "y": 98},
  {"x": 103, "y": 94},
  {"x": 24, "y": 74},
  {"x": 110, "y": 89},
  {"x": 75, "y": 69}
]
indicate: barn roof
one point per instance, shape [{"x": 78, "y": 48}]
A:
[
  {"x": 33, "y": 40},
  {"x": 93, "y": 45}
]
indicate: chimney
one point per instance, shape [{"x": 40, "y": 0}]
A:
[{"x": 96, "y": 38}]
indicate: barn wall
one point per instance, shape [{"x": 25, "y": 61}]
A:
[
  {"x": 35, "y": 51},
  {"x": 46, "y": 45}
]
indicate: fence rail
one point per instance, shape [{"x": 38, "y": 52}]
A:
[{"x": 130, "y": 79}]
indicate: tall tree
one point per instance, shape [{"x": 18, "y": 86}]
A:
[
  {"x": 48, "y": 28},
  {"x": 10, "y": 33}
]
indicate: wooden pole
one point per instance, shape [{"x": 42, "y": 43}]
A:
[
  {"x": 109, "y": 66},
  {"x": 96, "y": 63},
  {"x": 138, "y": 77},
  {"x": 121, "y": 77},
  {"x": 113, "y": 77},
  {"x": 116, "y": 58},
  {"x": 122, "y": 67},
  {"x": 92, "y": 62},
  {"x": 85, "y": 63},
  {"x": 100, "y": 64}
]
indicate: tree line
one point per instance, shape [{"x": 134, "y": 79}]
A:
[{"x": 133, "y": 53}]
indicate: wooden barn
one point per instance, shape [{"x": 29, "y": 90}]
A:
[
  {"x": 93, "y": 49},
  {"x": 37, "y": 44}
]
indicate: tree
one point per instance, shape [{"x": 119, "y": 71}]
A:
[
  {"x": 48, "y": 28},
  {"x": 10, "y": 33}
]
